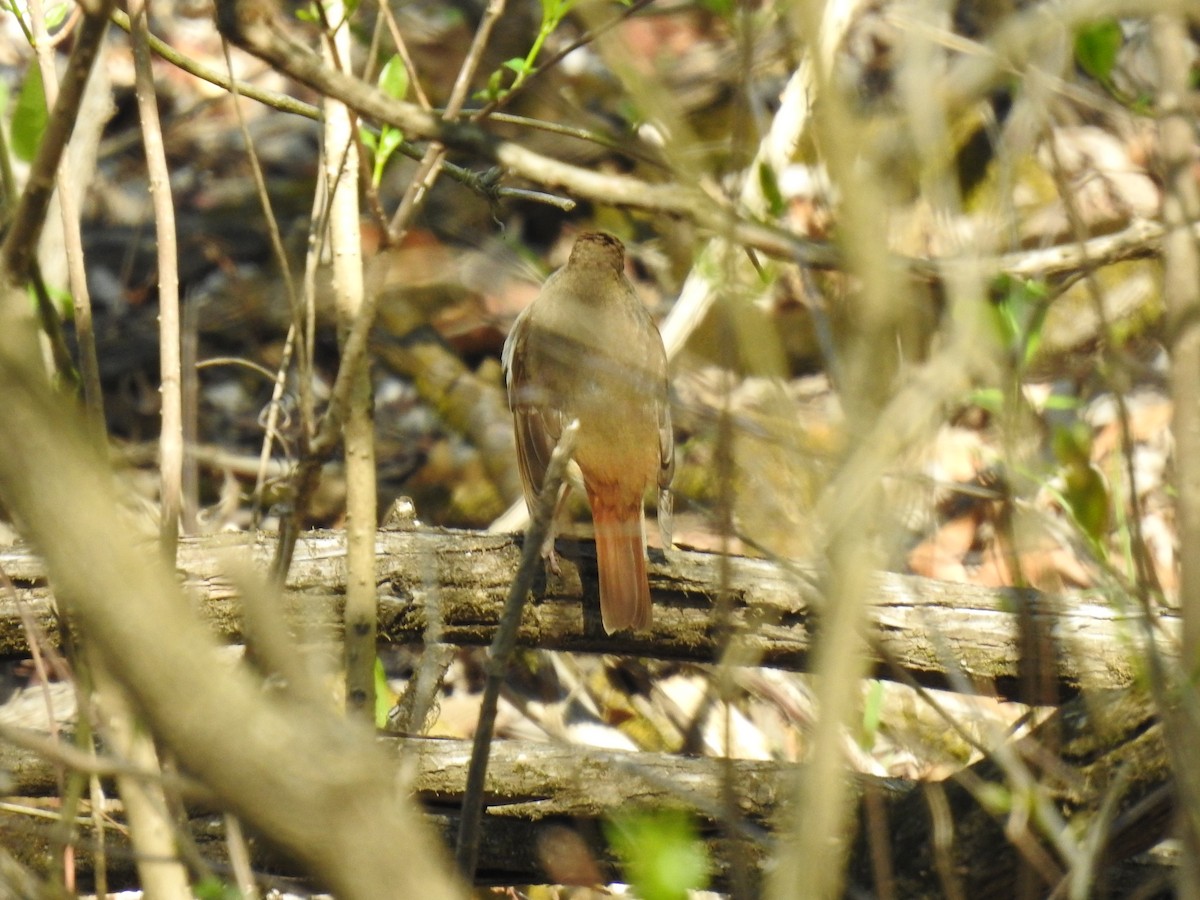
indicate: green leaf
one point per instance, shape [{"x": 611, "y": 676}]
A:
[
  {"x": 63, "y": 301},
  {"x": 988, "y": 399},
  {"x": 769, "y": 185},
  {"x": 872, "y": 715},
  {"x": 383, "y": 696},
  {"x": 215, "y": 889},
  {"x": 1085, "y": 492},
  {"x": 553, "y": 12},
  {"x": 995, "y": 798},
  {"x": 389, "y": 139},
  {"x": 1006, "y": 329},
  {"x": 308, "y": 13},
  {"x": 380, "y": 159},
  {"x": 1020, "y": 315},
  {"x": 56, "y": 13},
  {"x": 518, "y": 64},
  {"x": 393, "y": 80},
  {"x": 1087, "y": 496},
  {"x": 662, "y": 855},
  {"x": 495, "y": 88},
  {"x": 1096, "y": 48},
  {"x": 1072, "y": 444},
  {"x": 29, "y": 117},
  {"x": 1061, "y": 401}
]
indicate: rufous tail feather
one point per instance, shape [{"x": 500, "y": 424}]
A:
[{"x": 621, "y": 560}]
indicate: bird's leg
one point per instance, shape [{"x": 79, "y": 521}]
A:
[
  {"x": 551, "y": 557},
  {"x": 666, "y": 519},
  {"x": 548, "y": 546}
]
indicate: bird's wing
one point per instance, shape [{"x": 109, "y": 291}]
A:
[
  {"x": 666, "y": 471},
  {"x": 666, "y": 444},
  {"x": 538, "y": 426}
]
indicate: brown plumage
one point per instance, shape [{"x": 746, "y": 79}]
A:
[{"x": 587, "y": 349}]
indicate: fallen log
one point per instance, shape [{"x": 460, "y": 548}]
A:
[
  {"x": 938, "y": 633},
  {"x": 938, "y": 838}
]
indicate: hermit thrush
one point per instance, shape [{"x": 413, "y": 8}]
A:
[{"x": 587, "y": 349}]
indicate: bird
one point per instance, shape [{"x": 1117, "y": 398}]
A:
[{"x": 587, "y": 349}]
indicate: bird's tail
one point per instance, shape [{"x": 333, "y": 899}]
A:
[{"x": 621, "y": 560}]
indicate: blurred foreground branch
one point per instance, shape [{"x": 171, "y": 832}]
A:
[{"x": 311, "y": 783}]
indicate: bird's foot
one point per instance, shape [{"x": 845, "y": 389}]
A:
[{"x": 552, "y": 560}]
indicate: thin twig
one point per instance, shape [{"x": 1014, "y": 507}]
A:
[
  {"x": 68, "y": 202},
  {"x": 431, "y": 166},
  {"x": 588, "y": 37},
  {"x": 279, "y": 378},
  {"x": 284, "y": 103},
  {"x": 1181, "y": 287},
  {"x": 239, "y": 858},
  {"x": 304, "y": 480},
  {"x": 467, "y": 848},
  {"x": 68, "y": 757},
  {"x": 340, "y": 153},
  {"x": 618, "y": 144},
  {"x": 159, "y": 176},
  {"x": 21, "y": 239},
  {"x": 385, "y": 10}
]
